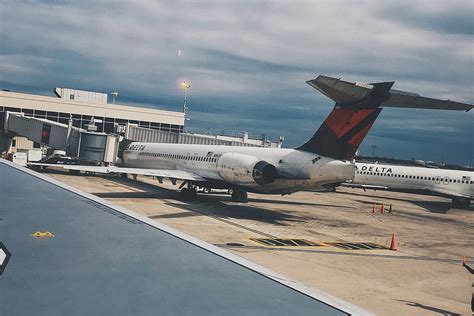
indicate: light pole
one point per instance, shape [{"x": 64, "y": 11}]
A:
[
  {"x": 185, "y": 87},
  {"x": 374, "y": 147}
]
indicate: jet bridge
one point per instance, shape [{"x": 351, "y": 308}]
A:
[
  {"x": 44, "y": 132},
  {"x": 93, "y": 146},
  {"x": 76, "y": 142}
]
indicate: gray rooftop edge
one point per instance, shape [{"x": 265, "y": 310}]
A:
[{"x": 292, "y": 284}]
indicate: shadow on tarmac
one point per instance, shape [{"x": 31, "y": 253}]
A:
[
  {"x": 430, "y": 308},
  {"x": 241, "y": 211},
  {"x": 217, "y": 203}
]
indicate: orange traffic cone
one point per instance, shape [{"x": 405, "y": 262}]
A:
[
  {"x": 393, "y": 244},
  {"x": 382, "y": 209},
  {"x": 373, "y": 208}
]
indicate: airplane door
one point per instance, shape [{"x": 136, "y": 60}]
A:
[
  {"x": 446, "y": 180},
  {"x": 437, "y": 180}
]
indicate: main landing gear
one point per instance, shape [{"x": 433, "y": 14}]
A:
[
  {"x": 188, "y": 194},
  {"x": 239, "y": 196},
  {"x": 461, "y": 203}
]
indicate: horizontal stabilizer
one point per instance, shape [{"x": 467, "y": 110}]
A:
[
  {"x": 348, "y": 94},
  {"x": 402, "y": 99}
]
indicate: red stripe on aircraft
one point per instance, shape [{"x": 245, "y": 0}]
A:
[{"x": 343, "y": 120}]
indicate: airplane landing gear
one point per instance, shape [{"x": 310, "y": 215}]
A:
[
  {"x": 74, "y": 172},
  {"x": 239, "y": 196},
  {"x": 461, "y": 203},
  {"x": 188, "y": 194}
]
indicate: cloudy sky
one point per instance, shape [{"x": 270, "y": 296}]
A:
[{"x": 247, "y": 62}]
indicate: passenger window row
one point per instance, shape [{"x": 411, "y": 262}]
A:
[
  {"x": 412, "y": 177},
  {"x": 181, "y": 157}
]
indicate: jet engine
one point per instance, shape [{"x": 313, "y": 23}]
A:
[{"x": 243, "y": 169}]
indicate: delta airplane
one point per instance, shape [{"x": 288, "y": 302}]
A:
[
  {"x": 455, "y": 184},
  {"x": 322, "y": 163}
]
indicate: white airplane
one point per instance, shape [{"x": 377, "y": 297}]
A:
[
  {"x": 455, "y": 184},
  {"x": 322, "y": 163}
]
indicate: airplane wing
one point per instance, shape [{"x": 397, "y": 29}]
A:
[
  {"x": 347, "y": 94},
  {"x": 172, "y": 174},
  {"x": 449, "y": 193},
  {"x": 435, "y": 191},
  {"x": 87, "y": 256}
]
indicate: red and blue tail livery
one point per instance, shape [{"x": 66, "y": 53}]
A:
[{"x": 345, "y": 128}]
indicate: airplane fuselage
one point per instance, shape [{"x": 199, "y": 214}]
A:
[
  {"x": 445, "y": 182},
  {"x": 296, "y": 170}
]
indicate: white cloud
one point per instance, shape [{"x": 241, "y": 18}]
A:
[{"x": 253, "y": 55}]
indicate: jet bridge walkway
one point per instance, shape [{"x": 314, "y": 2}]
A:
[
  {"x": 76, "y": 254},
  {"x": 42, "y": 131}
]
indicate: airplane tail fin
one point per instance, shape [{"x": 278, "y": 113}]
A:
[{"x": 357, "y": 107}]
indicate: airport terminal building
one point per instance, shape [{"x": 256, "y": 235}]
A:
[
  {"x": 23, "y": 117},
  {"x": 82, "y": 106}
]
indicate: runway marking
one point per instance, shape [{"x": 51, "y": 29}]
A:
[
  {"x": 295, "y": 242},
  {"x": 341, "y": 253},
  {"x": 284, "y": 242},
  {"x": 356, "y": 245}
]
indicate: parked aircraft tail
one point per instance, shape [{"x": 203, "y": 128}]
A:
[
  {"x": 349, "y": 122},
  {"x": 357, "y": 107}
]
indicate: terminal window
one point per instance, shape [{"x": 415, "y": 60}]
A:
[
  {"x": 40, "y": 114},
  {"x": 12, "y": 109},
  {"x": 27, "y": 112},
  {"x": 155, "y": 125}
]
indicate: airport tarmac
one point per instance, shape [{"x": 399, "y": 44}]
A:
[{"x": 423, "y": 277}]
